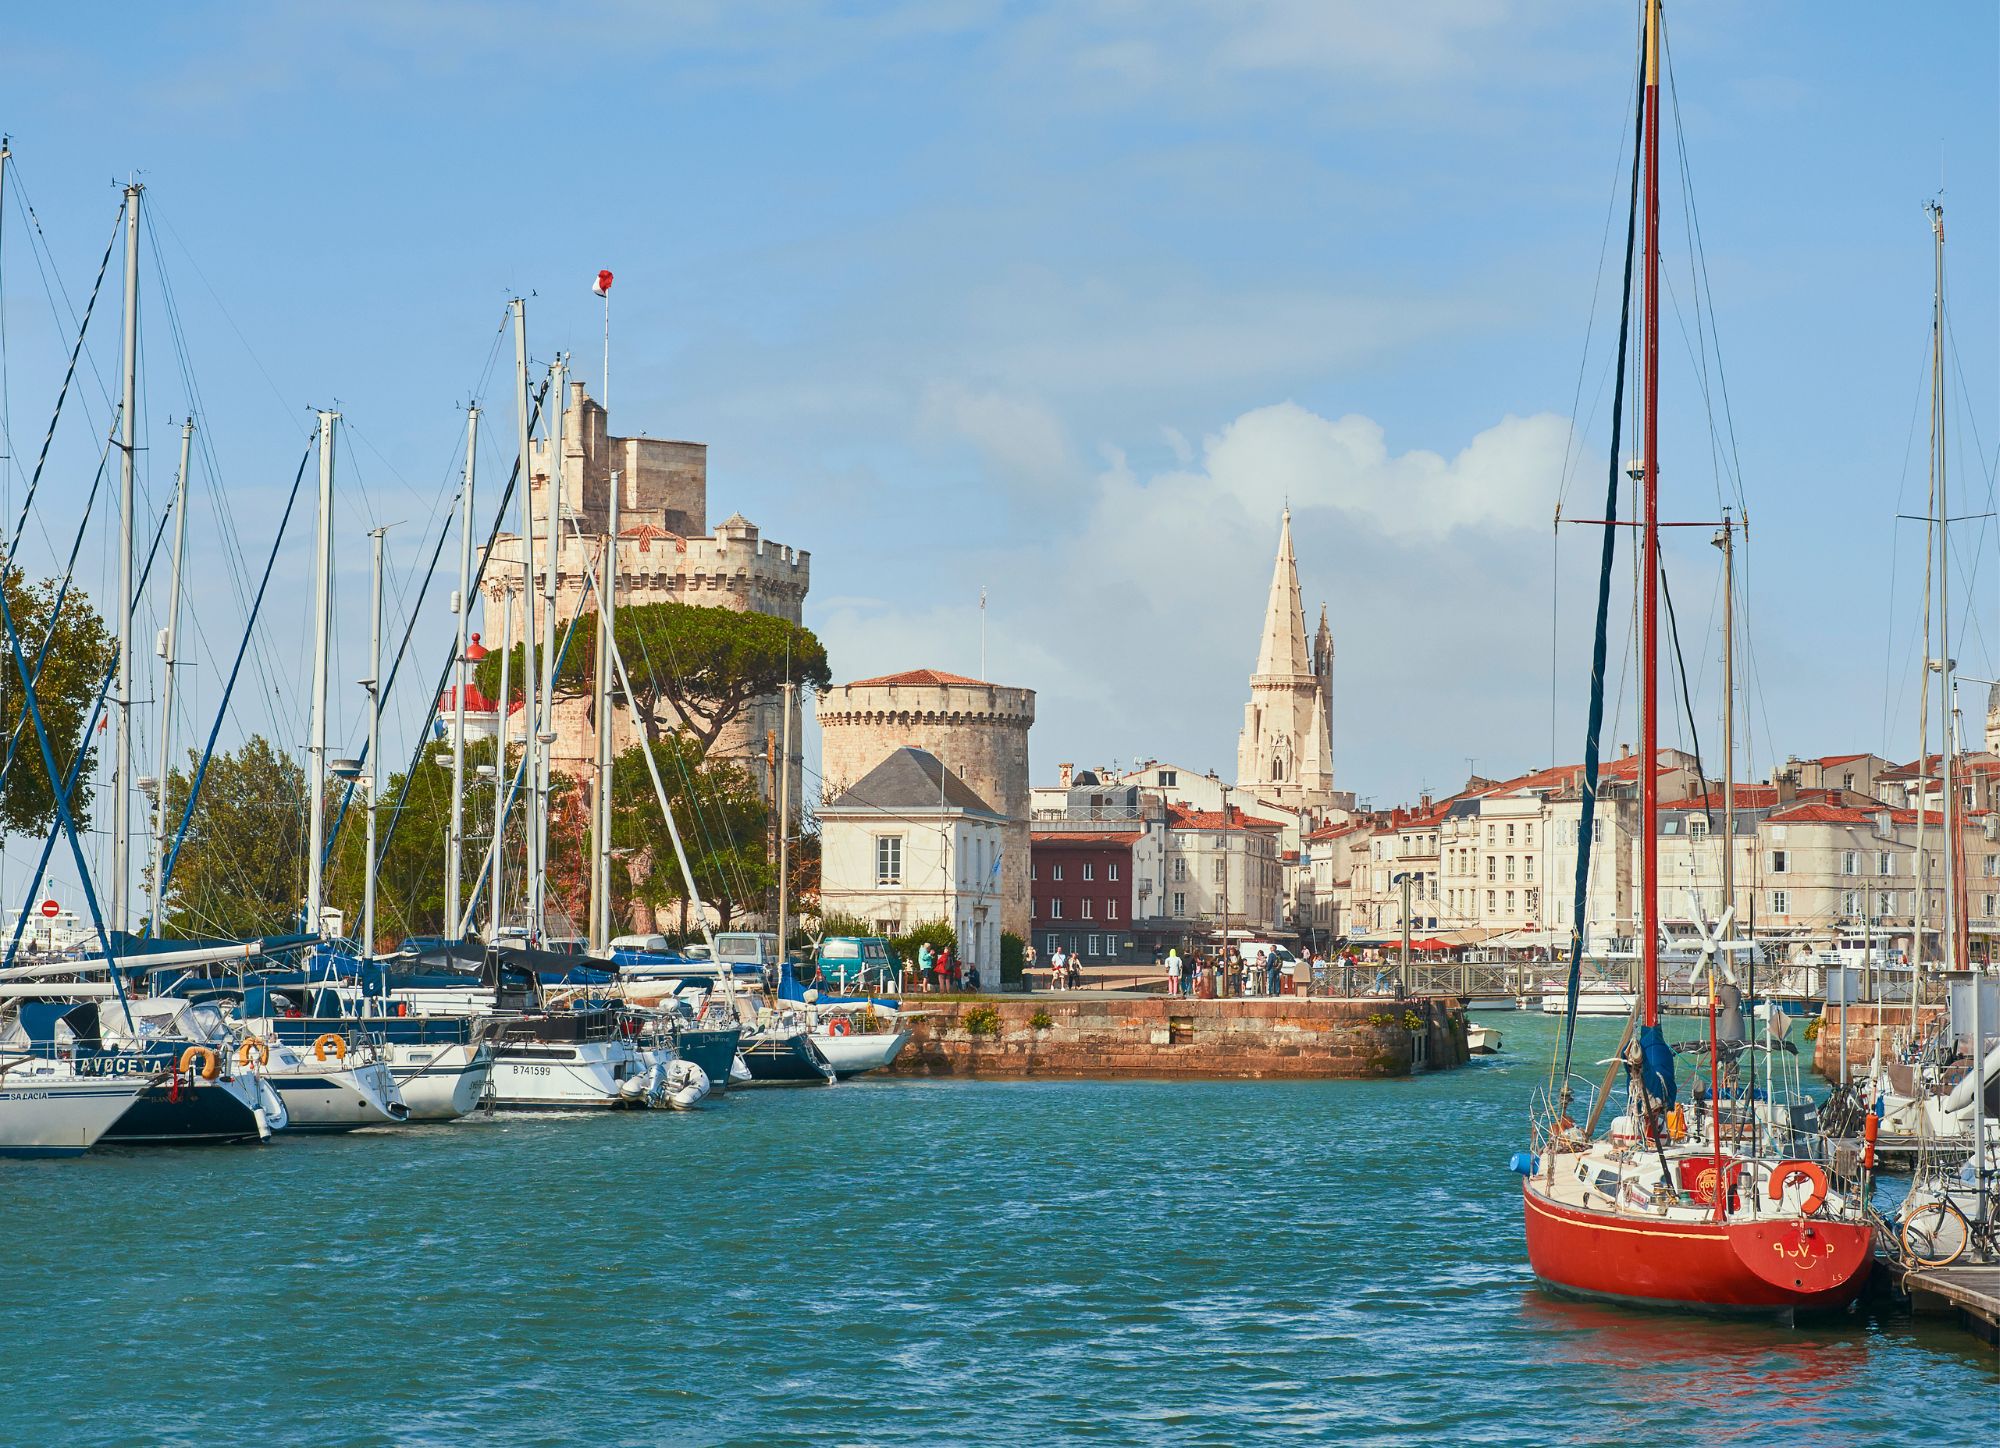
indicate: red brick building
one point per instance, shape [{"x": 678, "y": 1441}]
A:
[{"x": 1081, "y": 885}]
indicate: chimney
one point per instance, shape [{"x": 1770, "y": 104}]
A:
[
  {"x": 1624, "y": 751},
  {"x": 1064, "y": 774},
  {"x": 1788, "y": 786},
  {"x": 1424, "y": 803}
]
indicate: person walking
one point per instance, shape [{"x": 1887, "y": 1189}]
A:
[
  {"x": 924, "y": 961},
  {"x": 1028, "y": 968},
  {"x": 1173, "y": 972}
]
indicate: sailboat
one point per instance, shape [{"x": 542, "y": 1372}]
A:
[{"x": 1667, "y": 1209}]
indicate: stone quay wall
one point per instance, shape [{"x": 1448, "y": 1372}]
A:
[
  {"x": 1116, "y": 1035},
  {"x": 1866, "y": 1026}
]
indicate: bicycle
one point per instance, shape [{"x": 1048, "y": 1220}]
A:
[{"x": 1937, "y": 1234}]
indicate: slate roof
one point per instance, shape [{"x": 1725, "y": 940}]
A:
[{"x": 913, "y": 779}]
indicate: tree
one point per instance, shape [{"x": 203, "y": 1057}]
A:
[
  {"x": 409, "y": 882},
  {"x": 79, "y": 654},
  {"x": 241, "y": 870},
  {"x": 694, "y": 668},
  {"x": 722, "y": 818}
]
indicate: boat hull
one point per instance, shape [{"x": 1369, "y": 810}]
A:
[
  {"x": 712, "y": 1050},
  {"x": 785, "y": 1059},
  {"x": 207, "y": 1111},
  {"x": 63, "y": 1116},
  {"x": 322, "y": 1100},
  {"x": 440, "y": 1083},
  {"x": 560, "y": 1075},
  {"x": 1772, "y": 1265},
  {"x": 852, "y": 1055}
]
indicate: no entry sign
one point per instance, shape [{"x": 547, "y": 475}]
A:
[{"x": 50, "y": 909}]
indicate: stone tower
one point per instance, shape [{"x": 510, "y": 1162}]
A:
[
  {"x": 1284, "y": 756},
  {"x": 979, "y": 730},
  {"x": 1993, "y": 719}
]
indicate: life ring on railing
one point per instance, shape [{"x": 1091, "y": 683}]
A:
[
  {"x": 839, "y": 1026},
  {"x": 211, "y": 1064},
  {"x": 336, "y": 1040},
  {"x": 1781, "y": 1176},
  {"x": 253, "y": 1045}
]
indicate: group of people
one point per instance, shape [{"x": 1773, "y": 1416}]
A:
[
  {"x": 939, "y": 971},
  {"x": 1231, "y": 973},
  {"x": 1065, "y": 969}
]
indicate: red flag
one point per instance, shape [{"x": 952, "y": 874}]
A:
[{"x": 602, "y": 287}]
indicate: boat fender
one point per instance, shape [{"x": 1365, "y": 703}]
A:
[
  {"x": 332, "y": 1039},
  {"x": 211, "y": 1064},
  {"x": 1785, "y": 1171},
  {"x": 1523, "y": 1162},
  {"x": 1870, "y": 1129},
  {"x": 254, "y": 1045},
  {"x": 839, "y": 1026}
]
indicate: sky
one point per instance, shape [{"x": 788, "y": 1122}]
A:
[{"x": 1063, "y": 302}]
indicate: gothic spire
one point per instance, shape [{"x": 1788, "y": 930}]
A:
[{"x": 1283, "y": 653}]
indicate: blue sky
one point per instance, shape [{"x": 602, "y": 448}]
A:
[{"x": 1066, "y": 301}]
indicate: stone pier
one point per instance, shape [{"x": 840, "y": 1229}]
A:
[
  {"x": 1118, "y": 1035},
  {"x": 1866, "y": 1026}
]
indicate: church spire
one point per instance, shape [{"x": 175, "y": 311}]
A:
[{"x": 1283, "y": 654}]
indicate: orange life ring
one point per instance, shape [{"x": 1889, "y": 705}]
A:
[
  {"x": 253, "y": 1045},
  {"x": 1782, "y": 1174},
  {"x": 839, "y": 1026},
  {"x": 211, "y": 1064},
  {"x": 336, "y": 1040}
]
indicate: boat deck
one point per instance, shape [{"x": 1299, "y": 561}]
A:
[{"x": 1969, "y": 1293}]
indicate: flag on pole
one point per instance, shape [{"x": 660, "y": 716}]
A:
[{"x": 602, "y": 286}]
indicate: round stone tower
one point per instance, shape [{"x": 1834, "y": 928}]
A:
[{"x": 979, "y": 730}]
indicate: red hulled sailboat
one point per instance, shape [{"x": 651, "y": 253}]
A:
[{"x": 1672, "y": 1207}]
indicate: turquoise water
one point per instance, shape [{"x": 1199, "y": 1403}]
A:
[{"x": 898, "y": 1263}]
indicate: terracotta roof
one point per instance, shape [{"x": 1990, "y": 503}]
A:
[
  {"x": 1107, "y": 837},
  {"x": 1818, "y": 812},
  {"x": 1828, "y": 760},
  {"x": 917, "y": 676},
  {"x": 1229, "y": 818}
]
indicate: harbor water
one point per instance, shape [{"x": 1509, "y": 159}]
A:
[{"x": 900, "y": 1262}]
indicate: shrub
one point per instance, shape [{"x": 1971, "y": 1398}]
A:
[
  {"x": 1812, "y": 1027},
  {"x": 935, "y": 933},
  {"x": 981, "y": 1021},
  {"x": 1381, "y": 1018},
  {"x": 1013, "y": 951},
  {"x": 1041, "y": 1020},
  {"x": 1412, "y": 1021}
]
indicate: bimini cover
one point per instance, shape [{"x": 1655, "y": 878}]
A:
[{"x": 1656, "y": 1065}]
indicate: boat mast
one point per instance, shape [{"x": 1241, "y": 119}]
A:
[
  {"x": 128, "y": 407},
  {"x": 1726, "y": 541},
  {"x": 1948, "y": 743},
  {"x": 784, "y": 815},
  {"x": 534, "y": 929},
  {"x": 373, "y": 684},
  {"x": 607, "y": 625},
  {"x": 168, "y": 651},
  {"x": 322, "y": 633},
  {"x": 454, "y": 851},
  {"x": 1649, "y": 714},
  {"x": 547, "y": 733},
  {"x": 498, "y": 855}
]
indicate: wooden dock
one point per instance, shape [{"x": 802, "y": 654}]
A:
[{"x": 1971, "y": 1294}]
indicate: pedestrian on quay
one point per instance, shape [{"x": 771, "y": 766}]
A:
[
  {"x": 942, "y": 965},
  {"x": 924, "y": 962},
  {"x": 1173, "y": 972},
  {"x": 1028, "y": 968},
  {"x": 972, "y": 977}
]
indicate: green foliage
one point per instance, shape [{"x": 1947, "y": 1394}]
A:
[
  {"x": 841, "y": 923},
  {"x": 1381, "y": 1018},
  {"x": 693, "y": 667},
  {"x": 723, "y": 823},
  {"x": 241, "y": 871},
  {"x": 1813, "y": 1027},
  {"x": 410, "y": 887},
  {"x": 1412, "y": 1021},
  {"x": 1041, "y": 1020},
  {"x": 1013, "y": 953},
  {"x": 938, "y": 934},
  {"x": 79, "y": 653},
  {"x": 981, "y": 1021}
]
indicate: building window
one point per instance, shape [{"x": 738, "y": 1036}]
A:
[
  {"x": 1528, "y": 835},
  {"x": 1054, "y": 943},
  {"x": 1885, "y": 863},
  {"x": 1510, "y": 834},
  {"x": 1510, "y": 902},
  {"x": 1168, "y": 778},
  {"x": 1180, "y": 903},
  {"x": 1055, "y": 909},
  {"x": 1988, "y": 912},
  {"x": 1991, "y": 865},
  {"x": 1090, "y": 944},
  {"x": 1781, "y": 903},
  {"x": 1778, "y": 863},
  {"x": 1111, "y": 870},
  {"x": 1089, "y": 870},
  {"x": 1531, "y": 869},
  {"x": 1534, "y": 902},
  {"x": 1180, "y": 873},
  {"x": 1850, "y": 862},
  {"x": 1510, "y": 867},
  {"x": 1085, "y": 904},
  {"x": 1491, "y": 908},
  {"x": 1850, "y": 902},
  {"x": 1492, "y": 834},
  {"x": 1034, "y": 870},
  {"x": 1110, "y": 909},
  {"x": 888, "y": 859},
  {"x": 1697, "y": 827},
  {"x": 1220, "y": 865},
  {"x": 1055, "y": 872},
  {"x": 1492, "y": 867}
]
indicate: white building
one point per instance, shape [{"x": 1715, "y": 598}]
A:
[{"x": 911, "y": 842}]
